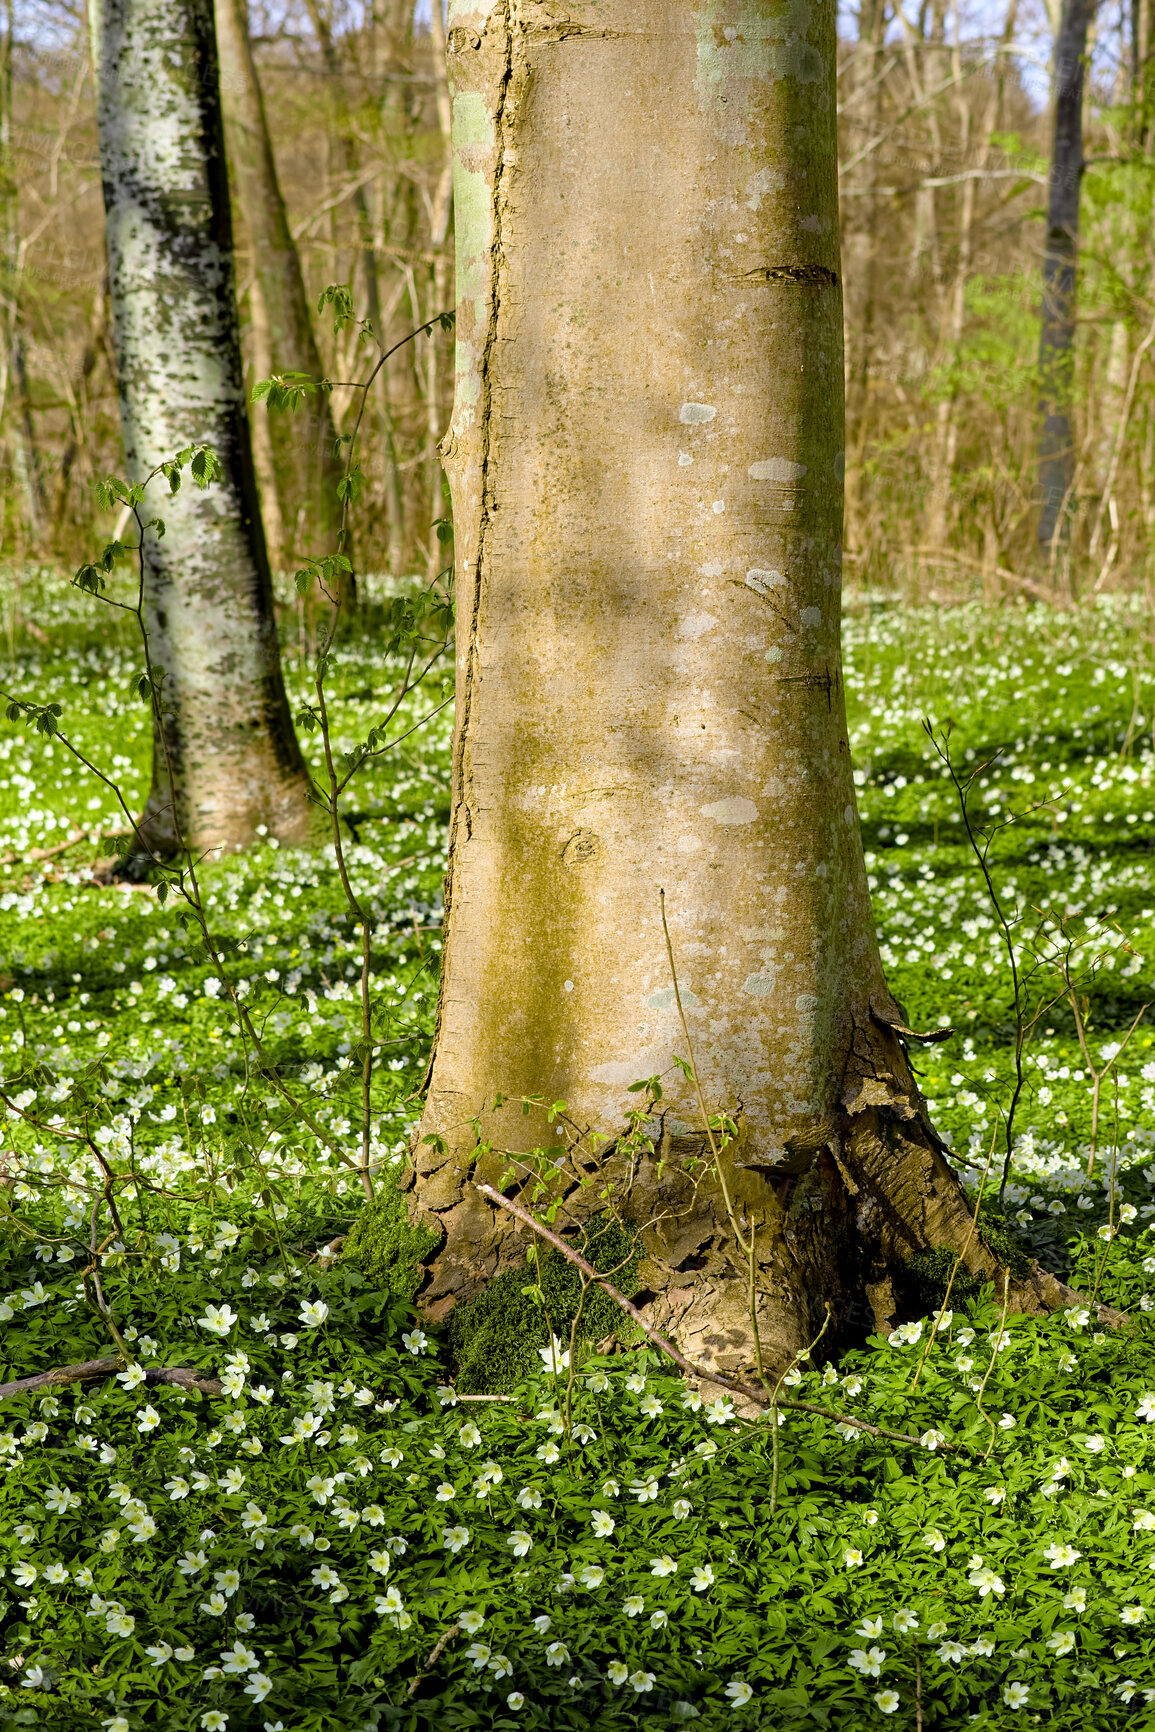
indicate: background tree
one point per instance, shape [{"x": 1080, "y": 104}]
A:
[
  {"x": 944, "y": 144},
  {"x": 1057, "y": 338},
  {"x": 228, "y": 760},
  {"x": 299, "y": 496},
  {"x": 646, "y": 464}
]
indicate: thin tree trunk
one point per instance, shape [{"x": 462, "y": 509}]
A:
[
  {"x": 646, "y": 458},
  {"x": 945, "y": 426},
  {"x": 1141, "y": 72},
  {"x": 25, "y": 459},
  {"x": 208, "y": 592},
  {"x": 863, "y": 101},
  {"x": 27, "y": 456},
  {"x": 349, "y": 160},
  {"x": 304, "y": 445},
  {"x": 438, "y": 288},
  {"x": 946, "y": 415},
  {"x": 9, "y": 231},
  {"x": 1057, "y": 337},
  {"x": 261, "y": 421},
  {"x": 96, "y": 344},
  {"x": 394, "y": 118}
]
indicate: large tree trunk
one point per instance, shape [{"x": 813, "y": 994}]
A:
[
  {"x": 1057, "y": 337},
  {"x": 305, "y": 444},
  {"x": 646, "y": 463},
  {"x": 228, "y": 735}
]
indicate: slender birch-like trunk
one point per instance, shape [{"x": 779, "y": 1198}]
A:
[
  {"x": 646, "y": 464},
  {"x": 304, "y": 444},
  {"x": 1057, "y": 337},
  {"x": 228, "y": 734}
]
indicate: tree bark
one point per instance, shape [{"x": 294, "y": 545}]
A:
[
  {"x": 1057, "y": 337},
  {"x": 13, "y": 365},
  {"x": 269, "y": 483},
  {"x": 304, "y": 444},
  {"x": 227, "y": 734},
  {"x": 96, "y": 344},
  {"x": 646, "y": 465}
]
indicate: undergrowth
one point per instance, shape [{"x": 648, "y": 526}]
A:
[{"x": 292, "y": 1551}]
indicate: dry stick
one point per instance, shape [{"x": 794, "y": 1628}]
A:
[
  {"x": 702, "y": 1372},
  {"x": 435, "y": 1655},
  {"x": 96, "y": 1251},
  {"x": 917, "y": 1692},
  {"x": 1102, "y": 1261},
  {"x": 1024, "y": 583},
  {"x": 92, "y": 1370},
  {"x": 36, "y": 854},
  {"x": 959, "y": 1258},
  {"x": 1099, "y": 1076},
  {"x": 746, "y": 1249}
]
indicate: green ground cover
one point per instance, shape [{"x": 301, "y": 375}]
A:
[{"x": 288, "y": 1554}]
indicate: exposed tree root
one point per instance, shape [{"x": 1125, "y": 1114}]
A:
[{"x": 851, "y": 1222}]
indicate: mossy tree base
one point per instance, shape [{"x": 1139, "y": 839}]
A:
[
  {"x": 388, "y": 1248},
  {"x": 872, "y": 1223},
  {"x": 496, "y": 1337}
]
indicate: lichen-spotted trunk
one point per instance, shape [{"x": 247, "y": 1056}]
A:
[
  {"x": 646, "y": 463},
  {"x": 229, "y": 737}
]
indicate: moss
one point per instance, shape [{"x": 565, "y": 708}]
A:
[
  {"x": 928, "y": 1272},
  {"x": 1002, "y": 1242},
  {"x": 387, "y": 1248},
  {"x": 494, "y": 1338},
  {"x": 928, "y": 1275}
]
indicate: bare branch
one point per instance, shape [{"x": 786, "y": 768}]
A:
[{"x": 93, "y": 1370}]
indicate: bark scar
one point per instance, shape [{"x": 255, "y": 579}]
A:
[
  {"x": 887, "y": 1017},
  {"x": 825, "y": 681},
  {"x": 816, "y": 275}
]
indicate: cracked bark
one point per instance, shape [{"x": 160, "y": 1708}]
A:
[
  {"x": 646, "y": 465},
  {"x": 208, "y": 593}
]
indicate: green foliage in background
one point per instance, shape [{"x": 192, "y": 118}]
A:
[{"x": 994, "y": 364}]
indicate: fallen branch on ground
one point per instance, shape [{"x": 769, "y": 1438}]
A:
[
  {"x": 736, "y": 1384},
  {"x": 438, "y": 1649},
  {"x": 37, "y": 854},
  {"x": 946, "y": 556},
  {"x": 92, "y": 1370}
]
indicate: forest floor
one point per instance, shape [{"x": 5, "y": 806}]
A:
[{"x": 334, "y": 1541}]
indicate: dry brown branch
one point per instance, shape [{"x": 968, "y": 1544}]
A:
[
  {"x": 947, "y": 556},
  {"x": 93, "y": 1370},
  {"x": 435, "y": 1654},
  {"x": 32, "y": 854}
]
